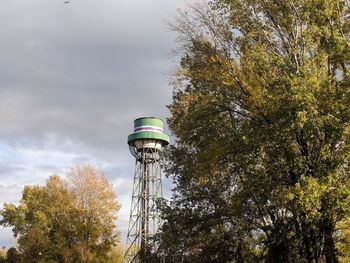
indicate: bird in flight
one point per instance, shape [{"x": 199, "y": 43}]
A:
[{"x": 66, "y": 2}]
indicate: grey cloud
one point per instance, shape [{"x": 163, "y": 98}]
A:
[
  {"x": 4, "y": 237},
  {"x": 72, "y": 79},
  {"x": 82, "y": 73}
]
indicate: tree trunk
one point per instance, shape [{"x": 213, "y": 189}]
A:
[{"x": 329, "y": 250}]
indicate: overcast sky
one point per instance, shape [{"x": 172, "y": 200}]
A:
[{"x": 73, "y": 77}]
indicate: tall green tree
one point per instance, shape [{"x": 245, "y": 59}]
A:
[
  {"x": 70, "y": 220},
  {"x": 262, "y": 119}
]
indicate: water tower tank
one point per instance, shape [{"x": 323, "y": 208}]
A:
[{"x": 148, "y": 133}]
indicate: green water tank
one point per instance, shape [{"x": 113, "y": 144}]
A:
[{"x": 148, "y": 133}]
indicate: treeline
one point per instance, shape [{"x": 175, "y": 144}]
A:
[
  {"x": 66, "y": 220},
  {"x": 261, "y": 113}
]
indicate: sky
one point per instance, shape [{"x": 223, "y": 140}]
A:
[{"x": 73, "y": 77}]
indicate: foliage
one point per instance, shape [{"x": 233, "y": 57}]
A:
[
  {"x": 66, "y": 220},
  {"x": 13, "y": 256},
  {"x": 117, "y": 254},
  {"x": 3, "y": 253},
  {"x": 343, "y": 240},
  {"x": 262, "y": 119}
]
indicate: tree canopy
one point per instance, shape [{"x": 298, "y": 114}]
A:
[
  {"x": 261, "y": 116},
  {"x": 70, "y": 220}
]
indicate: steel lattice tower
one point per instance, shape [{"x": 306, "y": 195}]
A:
[{"x": 145, "y": 144}]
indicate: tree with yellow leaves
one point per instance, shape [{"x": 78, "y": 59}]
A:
[{"x": 71, "y": 220}]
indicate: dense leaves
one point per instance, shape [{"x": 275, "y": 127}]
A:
[
  {"x": 262, "y": 120},
  {"x": 66, "y": 220}
]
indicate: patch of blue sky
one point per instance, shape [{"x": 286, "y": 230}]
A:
[{"x": 8, "y": 154}]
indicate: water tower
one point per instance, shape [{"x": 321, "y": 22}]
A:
[{"x": 145, "y": 143}]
